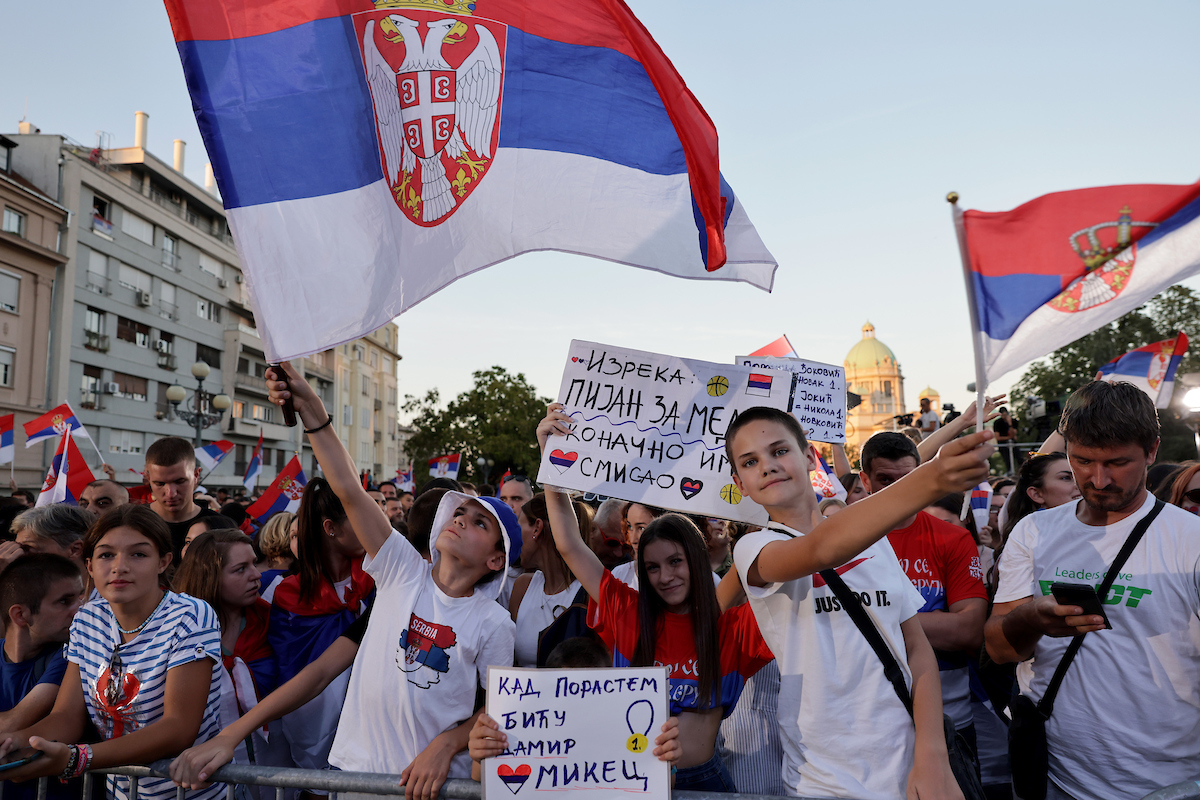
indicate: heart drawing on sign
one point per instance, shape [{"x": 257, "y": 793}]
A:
[
  {"x": 563, "y": 461},
  {"x": 575, "y": 360},
  {"x": 690, "y": 487},
  {"x": 514, "y": 777}
]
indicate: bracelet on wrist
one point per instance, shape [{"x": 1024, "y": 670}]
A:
[
  {"x": 72, "y": 759},
  {"x": 322, "y": 426}
]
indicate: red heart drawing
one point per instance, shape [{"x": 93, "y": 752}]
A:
[
  {"x": 514, "y": 778},
  {"x": 563, "y": 461},
  {"x": 576, "y": 360}
]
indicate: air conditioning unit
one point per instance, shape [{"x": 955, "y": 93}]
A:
[
  {"x": 144, "y": 299},
  {"x": 112, "y": 387},
  {"x": 224, "y": 284},
  {"x": 167, "y": 361},
  {"x": 162, "y": 346},
  {"x": 238, "y": 278}
]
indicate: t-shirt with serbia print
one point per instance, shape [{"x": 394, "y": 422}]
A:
[
  {"x": 124, "y": 685},
  {"x": 743, "y": 651}
]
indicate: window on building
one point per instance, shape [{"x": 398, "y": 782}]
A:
[
  {"x": 260, "y": 369},
  {"x": 100, "y": 207},
  {"x": 130, "y": 387},
  {"x": 14, "y": 222},
  {"x": 345, "y": 380},
  {"x": 887, "y": 388},
  {"x": 126, "y": 441},
  {"x": 392, "y": 395},
  {"x": 91, "y": 386},
  {"x": 138, "y": 228},
  {"x": 5, "y": 158},
  {"x": 206, "y": 309},
  {"x": 359, "y": 352},
  {"x": 364, "y": 452},
  {"x": 364, "y": 417},
  {"x": 347, "y": 415},
  {"x": 281, "y": 458},
  {"x": 130, "y": 331},
  {"x": 325, "y": 391},
  {"x": 374, "y": 358},
  {"x": 209, "y": 355},
  {"x": 97, "y": 269},
  {"x": 166, "y": 342},
  {"x": 243, "y": 366},
  {"x": 7, "y": 355},
  {"x": 167, "y": 308},
  {"x": 239, "y": 412},
  {"x": 163, "y": 406},
  {"x": 262, "y": 413},
  {"x": 211, "y": 265},
  {"x": 93, "y": 321},
  {"x": 366, "y": 385},
  {"x": 170, "y": 252},
  {"x": 10, "y": 291},
  {"x": 134, "y": 279}
]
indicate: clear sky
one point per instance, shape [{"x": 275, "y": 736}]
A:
[{"x": 842, "y": 126}]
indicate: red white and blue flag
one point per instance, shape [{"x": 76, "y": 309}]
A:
[
  {"x": 980, "y": 500},
  {"x": 212, "y": 454},
  {"x": 282, "y": 495},
  {"x": 8, "y": 447},
  {"x": 68, "y": 476},
  {"x": 404, "y": 480},
  {"x": 444, "y": 466},
  {"x": 1061, "y": 266},
  {"x": 780, "y": 348},
  {"x": 824, "y": 482},
  {"x": 759, "y": 383},
  {"x": 1151, "y": 368},
  {"x": 254, "y": 467},
  {"x": 434, "y": 138},
  {"x": 54, "y": 422}
]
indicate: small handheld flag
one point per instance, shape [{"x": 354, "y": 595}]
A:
[
  {"x": 213, "y": 454},
  {"x": 282, "y": 495},
  {"x": 404, "y": 480},
  {"x": 53, "y": 423},
  {"x": 780, "y": 348},
  {"x": 67, "y": 477},
  {"x": 8, "y": 449},
  {"x": 254, "y": 468},
  {"x": 444, "y": 466},
  {"x": 981, "y": 504},
  {"x": 824, "y": 482},
  {"x": 1151, "y": 368}
]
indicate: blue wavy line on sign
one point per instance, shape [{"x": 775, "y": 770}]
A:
[{"x": 654, "y": 428}]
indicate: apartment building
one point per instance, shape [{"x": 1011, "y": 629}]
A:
[{"x": 365, "y": 415}]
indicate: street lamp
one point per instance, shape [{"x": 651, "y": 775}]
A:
[
  {"x": 206, "y": 409},
  {"x": 485, "y": 467}
]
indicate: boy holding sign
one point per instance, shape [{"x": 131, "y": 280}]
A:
[{"x": 845, "y": 732}]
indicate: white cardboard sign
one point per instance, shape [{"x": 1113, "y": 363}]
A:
[
  {"x": 819, "y": 399},
  {"x": 587, "y": 734},
  {"x": 651, "y": 428}
]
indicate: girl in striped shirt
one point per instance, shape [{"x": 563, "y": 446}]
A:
[{"x": 142, "y": 665}]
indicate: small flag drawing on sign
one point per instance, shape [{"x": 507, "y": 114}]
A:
[{"x": 759, "y": 384}]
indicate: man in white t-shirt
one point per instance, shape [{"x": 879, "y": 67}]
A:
[
  {"x": 1126, "y": 719},
  {"x": 928, "y": 422}
]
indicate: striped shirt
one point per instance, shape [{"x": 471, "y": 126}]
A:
[{"x": 181, "y": 630}]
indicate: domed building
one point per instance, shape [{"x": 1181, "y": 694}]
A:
[{"x": 873, "y": 373}]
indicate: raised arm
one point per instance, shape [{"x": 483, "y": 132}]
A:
[
  {"x": 841, "y": 464},
  {"x": 929, "y": 447},
  {"x": 367, "y": 519},
  {"x": 574, "y": 550},
  {"x": 959, "y": 465}
]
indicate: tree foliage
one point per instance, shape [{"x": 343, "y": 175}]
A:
[
  {"x": 1056, "y": 376},
  {"x": 494, "y": 419}
]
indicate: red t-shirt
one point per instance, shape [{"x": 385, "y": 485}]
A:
[
  {"x": 940, "y": 559},
  {"x": 742, "y": 649}
]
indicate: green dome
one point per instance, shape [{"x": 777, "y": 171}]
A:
[{"x": 870, "y": 352}]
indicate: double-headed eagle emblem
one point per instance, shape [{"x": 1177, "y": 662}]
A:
[{"x": 430, "y": 114}]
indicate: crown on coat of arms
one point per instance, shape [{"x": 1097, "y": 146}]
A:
[
  {"x": 1087, "y": 244},
  {"x": 466, "y": 7}
]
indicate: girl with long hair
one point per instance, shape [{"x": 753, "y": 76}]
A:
[
  {"x": 143, "y": 665},
  {"x": 1185, "y": 489}
]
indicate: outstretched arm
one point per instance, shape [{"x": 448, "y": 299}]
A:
[
  {"x": 367, "y": 519},
  {"x": 929, "y": 447},
  {"x": 571, "y": 546}
]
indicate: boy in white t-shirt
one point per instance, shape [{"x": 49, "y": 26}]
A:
[
  {"x": 435, "y": 627},
  {"x": 845, "y": 732}
]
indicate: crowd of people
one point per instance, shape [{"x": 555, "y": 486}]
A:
[{"x": 356, "y": 633}]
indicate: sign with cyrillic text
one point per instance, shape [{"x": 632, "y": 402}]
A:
[
  {"x": 651, "y": 428},
  {"x": 819, "y": 401},
  {"x": 587, "y": 733}
]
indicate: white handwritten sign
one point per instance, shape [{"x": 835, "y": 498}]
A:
[
  {"x": 819, "y": 402},
  {"x": 651, "y": 428},
  {"x": 588, "y": 733}
]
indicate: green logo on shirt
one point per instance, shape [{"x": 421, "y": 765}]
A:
[{"x": 1131, "y": 595}]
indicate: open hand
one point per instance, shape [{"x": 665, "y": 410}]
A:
[{"x": 193, "y": 767}]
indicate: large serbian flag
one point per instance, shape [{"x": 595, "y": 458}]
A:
[
  {"x": 1150, "y": 368},
  {"x": 1061, "y": 266},
  {"x": 369, "y": 154},
  {"x": 54, "y": 422},
  {"x": 67, "y": 477},
  {"x": 282, "y": 495},
  {"x": 780, "y": 348}
]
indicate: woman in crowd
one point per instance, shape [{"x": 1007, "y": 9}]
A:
[
  {"x": 310, "y": 609},
  {"x": 275, "y": 546},
  {"x": 718, "y": 535},
  {"x": 144, "y": 665},
  {"x": 634, "y": 517},
  {"x": 1185, "y": 491},
  {"x": 547, "y": 587},
  {"x": 855, "y": 490},
  {"x": 674, "y": 619},
  {"x": 204, "y": 525}
]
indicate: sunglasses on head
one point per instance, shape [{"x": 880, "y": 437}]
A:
[
  {"x": 519, "y": 479},
  {"x": 1193, "y": 496}
]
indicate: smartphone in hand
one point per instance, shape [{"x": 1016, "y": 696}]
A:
[{"x": 1083, "y": 595}]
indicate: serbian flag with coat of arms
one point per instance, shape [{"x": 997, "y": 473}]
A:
[
  {"x": 282, "y": 495},
  {"x": 1061, "y": 266},
  {"x": 444, "y": 466},
  {"x": 370, "y": 154},
  {"x": 1151, "y": 368},
  {"x": 404, "y": 480},
  {"x": 8, "y": 448},
  {"x": 212, "y": 454},
  {"x": 67, "y": 477},
  {"x": 54, "y": 422},
  {"x": 824, "y": 482}
]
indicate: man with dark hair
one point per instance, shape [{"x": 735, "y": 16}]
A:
[
  {"x": 1006, "y": 434},
  {"x": 1141, "y": 676},
  {"x": 406, "y": 501},
  {"x": 24, "y": 497},
  {"x": 173, "y": 476},
  {"x": 388, "y": 489},
  {"x": 516, "y": 491},
  {"x": 928, "y": 421},
  {"x": 99, "y": 496},
  {"x": 943, "y": 564}
]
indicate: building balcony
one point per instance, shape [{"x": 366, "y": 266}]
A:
[
  {"x": 249, "y": 428},
  {"x": 251, "y": 384}
]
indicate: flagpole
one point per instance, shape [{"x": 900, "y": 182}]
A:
[{"x": 94, "y": 447}]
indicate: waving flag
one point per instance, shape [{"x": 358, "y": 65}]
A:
[
  {"x": 254, "y": 468},
  {"x": 980, "y": 502},
  {"x": 824, "y": 482},
  {"x": 212, "y": 454},
  {"x": 1151, "y": 368},
  {"x": 8, "y": 449},
  {"x": 444, "y": 466},
  {"x": 68, "y": 476},
  {"x": 53, "y": 423},
  {"x": 433, "y": 138},
  {"x": 780, "y": 348},
  {"x": 1061, "y": 266},
  {"x": 282, "y": 495},
  {"x": 404, "y": 480}
]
